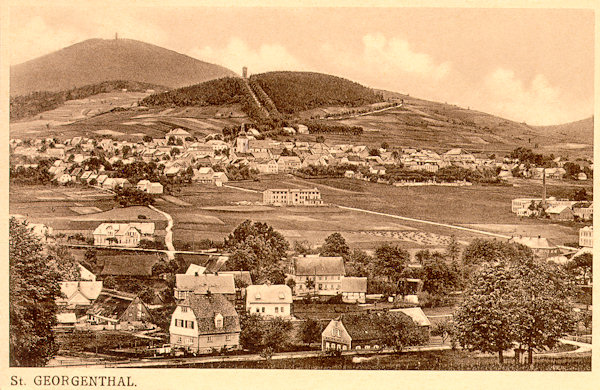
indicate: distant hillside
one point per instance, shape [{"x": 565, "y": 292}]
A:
[
  {"x": 292, "y": 92},
  {"x": 37, "y": 102},
  {"x": 582, "y": 131},
  {"x": 97, "y": 60}
]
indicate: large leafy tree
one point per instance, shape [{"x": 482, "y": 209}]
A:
[
  {"x": 391, "y": 261},
  {"x": 335, "y": 245},
  {"x": 33, "y": 289},
  {"x": 582, "y": 264},
  {"x": 256, "y": 245},
  {"x": 524, "y": 303},
  {"x": 484, "y": 320},
  {"x": 543, "y": 309}
]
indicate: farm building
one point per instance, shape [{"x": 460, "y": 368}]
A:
[
  {"x": 117, "y": 310},
  {"x": 362, "y": 331},
  {"x": 325, "y": 274},
  {"x": 560, "y": 213},
  {"x": 204, "y": 323},
  {"x": 354, "y": 289},
  {"x": 269, "y": 300}
]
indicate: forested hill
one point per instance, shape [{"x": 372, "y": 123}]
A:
[
  {"x": 289, "y": 92},
  {"x": 227, "y": 90},
  {"x": 292, "y": 92},
  {"x": 37, "y": 102},
  {"x": 97, "y": 60}
]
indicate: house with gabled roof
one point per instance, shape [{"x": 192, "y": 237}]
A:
[
  {"x": 325, "y": 273},
  {"x": 119, "y": 310},
  {"x": 269, "y": 300},
  {"x": 541, "y": 247},
  {"x": 204, "y": 284},
  {"x": 354, "y": 289},
  {"x": 78, "y": 293},
  {"x": 123, "y": 234},
  {"x": 205, "y": 323},
  {"x": 366, "y": 331},
  {"x": 560, "y": 213}
]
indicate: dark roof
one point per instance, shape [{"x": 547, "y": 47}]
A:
[
  {"x": 129, "y": 265},
  {"x": 212, "y": 263},
  {"x": 318, "y": 265},
  {"x": 110, "y": 306},
  {"x": 364, "y": 326},
  {"x": 206, "y": 307}
]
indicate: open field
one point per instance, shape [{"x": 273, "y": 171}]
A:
[
  {"x": 464, "y": 206},
  {"x": 61, "y": 208},
  {"x": 435, "y": 360},
  {"x": 208, "y": 212}
]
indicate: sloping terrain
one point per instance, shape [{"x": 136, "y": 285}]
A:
[
  {"x": 96, "y": 60},
  {"x": 37, "y": 102}
]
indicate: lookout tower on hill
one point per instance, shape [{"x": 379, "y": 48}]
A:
[{"x": 245, "y": 72}]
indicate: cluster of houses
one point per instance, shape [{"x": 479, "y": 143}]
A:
[
  {"x": 267, "y": 156},
  {"x": 207, "y": 314},
  {"x": 555, "y": 209}
]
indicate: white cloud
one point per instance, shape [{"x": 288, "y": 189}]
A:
[
  {"x": 35, "y": 37},
  {"x": 537, "y": 102},
  {"x": 396, "y": 55},
  {"x": 237, "y": 53},
  {"x": 32, "y": 37}
]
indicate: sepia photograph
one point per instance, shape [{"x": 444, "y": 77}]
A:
[{"x": 339, "y": 189}]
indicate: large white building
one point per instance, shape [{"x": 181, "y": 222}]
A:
[
  {"x": 269, "y": 300},
  {"x": 301, "y": 197},
  {"x": 586, "y": 236}
]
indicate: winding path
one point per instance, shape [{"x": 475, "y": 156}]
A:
[{"x": 169, "y": 236}]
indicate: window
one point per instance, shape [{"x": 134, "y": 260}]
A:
[
  {"x": 184, "y": 309},
  {"x": 209, "y": 339},
  {"x": 263, "y": 309},
  {"x": 228, "y": 337},
  {"x": 276, "y": 309},
  {"x": 218, "y": 320},
  {"x": 282, "y": 309},
  {"x": 257, "y": 310}
]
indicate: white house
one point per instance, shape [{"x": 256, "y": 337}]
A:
[
  {"x": 269, "y": 300},
  {"x": 123, "y": 234}
]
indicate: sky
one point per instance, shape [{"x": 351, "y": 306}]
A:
[{"x": 528, "y": 65}]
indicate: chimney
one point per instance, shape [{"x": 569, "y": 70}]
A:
[{"x": 544, "y": 187}]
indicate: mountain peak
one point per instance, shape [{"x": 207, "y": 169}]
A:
[{"x": 96, "y": 60}]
